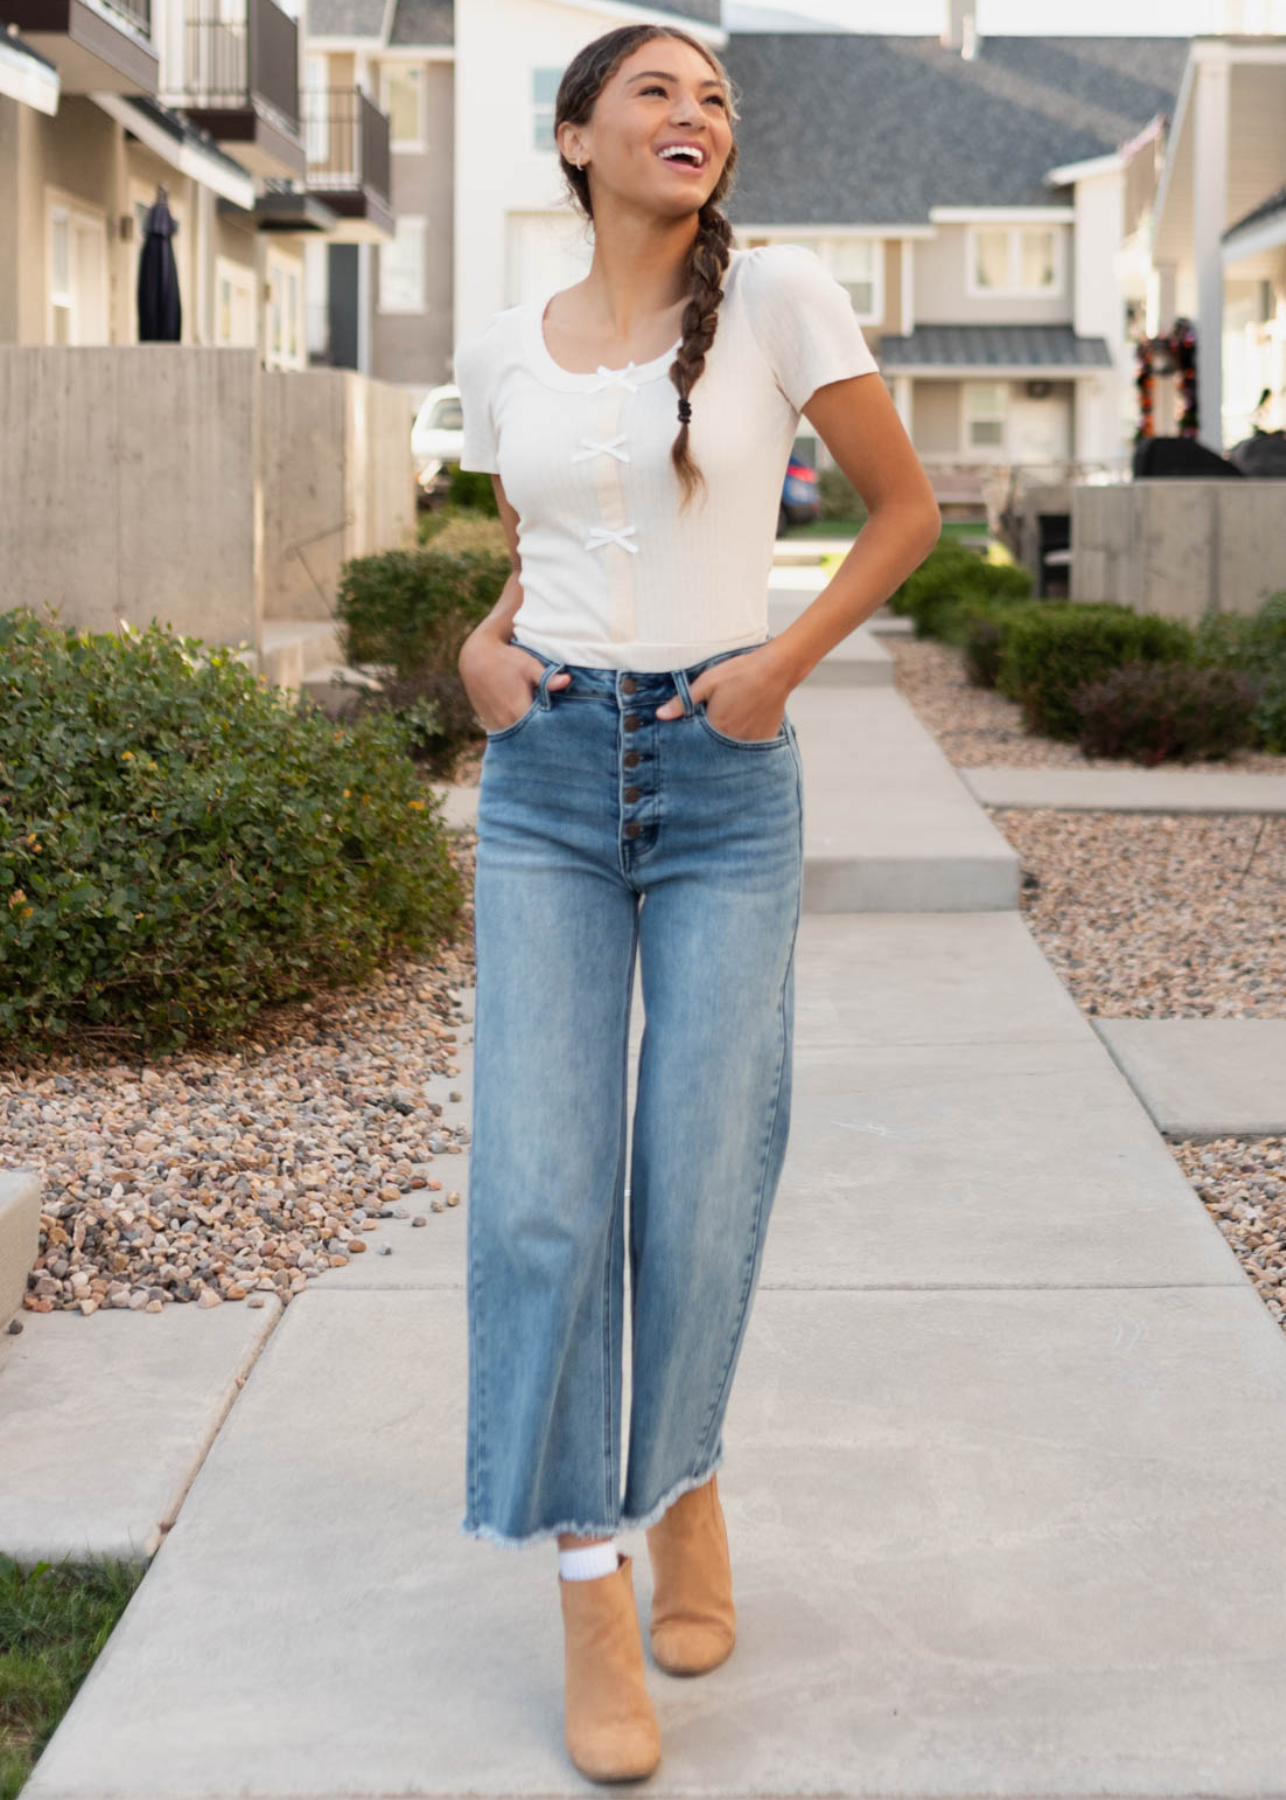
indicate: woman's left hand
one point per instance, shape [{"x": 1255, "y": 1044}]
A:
[{"x": 752, "y": 694}]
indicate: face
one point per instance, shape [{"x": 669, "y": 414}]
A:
[{"x": 664, "y": 94}]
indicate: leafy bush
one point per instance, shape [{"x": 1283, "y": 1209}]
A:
[
  {"x": 978, "y": 628},
  {"x": 472, "y": 488},
  {"x": 1050, "y": 650},
  {"x": 949, "y": 576},
  {"x": 409, "y": 612},
  {"x": 1157, "y": 712},
  {"x": 1256, "y": 645},
  {"x": 180, "y": 845}
]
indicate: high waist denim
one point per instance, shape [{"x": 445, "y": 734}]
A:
[{"x": 606, "y": 834}]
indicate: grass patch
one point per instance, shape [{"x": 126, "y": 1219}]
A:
[{"x": 55, "y": 1619}]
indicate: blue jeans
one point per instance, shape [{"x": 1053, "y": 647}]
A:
[{"x": 603, "y": 833}]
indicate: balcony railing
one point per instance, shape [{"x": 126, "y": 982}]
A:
[
  {"x": 346, "y": 140},
  {"x": 232, "y": 63}
]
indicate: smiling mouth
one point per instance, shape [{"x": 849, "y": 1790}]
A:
[{"x": 692, "y": 160}]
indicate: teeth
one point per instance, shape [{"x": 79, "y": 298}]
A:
[{"x": 693, "y": 156}]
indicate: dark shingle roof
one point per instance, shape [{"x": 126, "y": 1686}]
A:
[
  {"x": 423, "y": 22},
  {"x": 874, "y": 129},
  {"x": 1267, "y": 209},
  {"x": 433, "y": 21},
  {"x": 345, "y": 18},
  {"x": 993, "y": 347}
]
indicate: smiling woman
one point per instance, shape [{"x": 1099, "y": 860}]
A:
[{"x": 638, "y": 750}]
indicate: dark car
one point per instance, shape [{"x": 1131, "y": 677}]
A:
[{"x": 800, "y": 499}]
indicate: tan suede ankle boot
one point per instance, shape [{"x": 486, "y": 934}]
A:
[
  {"x": 694, "y": 1621},
  {"x": 610, "y": 1728}
]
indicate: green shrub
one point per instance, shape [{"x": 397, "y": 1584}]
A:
[
  {"x": 409, "y": 612},
  {"x": 1155, "y": 712},
  {"x": 472, "y": 488},
  {"x": 1050, "y": 650},
  {"x": 180, "y": 845},
  {"x": 949, "y": 576},
  {"x": 1256, "y": 645},
  {"x": 977, "y": 628}
]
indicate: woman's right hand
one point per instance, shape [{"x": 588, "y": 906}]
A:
[{"x": 500, "y": 678}]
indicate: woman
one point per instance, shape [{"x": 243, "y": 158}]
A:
[{"x": 641, "y": 796}]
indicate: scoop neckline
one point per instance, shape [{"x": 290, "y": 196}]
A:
[{"x": 539, "y": 355}]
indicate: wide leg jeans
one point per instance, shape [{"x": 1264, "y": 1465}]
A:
[{"x": 606, "y": 835}]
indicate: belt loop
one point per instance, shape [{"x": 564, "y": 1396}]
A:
[
  {"x": 684, "y": 691},
  {"x": 542, "y": 686}
]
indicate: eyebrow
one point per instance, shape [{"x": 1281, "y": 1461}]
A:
[{"x": 666, "y": 75}]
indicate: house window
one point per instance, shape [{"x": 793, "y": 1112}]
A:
[
  {"x": 402, "y": 267},
  {"x": 858, "y": 265},
  {"x": 986, "y": 407},
  {"x": 284, "y": 324},
  {"x": 317, "y": 117},
  {"x": 76, "y": 275},
  {"x": 402, "y": 97},
  {"x": 234, "y": 322},
  {"x": 1015, "y": 259},
  {"x": 544, "y": 91}
]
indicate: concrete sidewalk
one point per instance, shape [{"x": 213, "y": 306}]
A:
[{"x": 1005, "y": 1453}]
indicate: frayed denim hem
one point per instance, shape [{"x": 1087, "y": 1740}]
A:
[
  {"x": 489, "y": 1535},
  {"x": 575, "y": 1528},
  {"x": 640, "y": 1521}
]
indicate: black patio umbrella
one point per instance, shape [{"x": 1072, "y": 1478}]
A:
[{"x": 160, "y": 313}]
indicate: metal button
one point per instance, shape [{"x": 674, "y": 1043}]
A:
[
  {"x": 633, "y": 828},
  {"x": 632, "y": 793},
  {"x": 629, "y": 685},
  {"x": 632, "y": 721},
  {"x": 631, "y": 759}
]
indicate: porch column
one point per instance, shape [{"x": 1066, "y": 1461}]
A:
[
  {"x": 902, "y": 399},
  {"x": 1209, "y": 206}
]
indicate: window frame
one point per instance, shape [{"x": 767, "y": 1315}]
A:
[
  {"x": 412, "y": 308},
  {"x": 417, "y": 145},
  {"x": 825, "y": 248},
  {"x": 542, "y": 111},
  {"x": 1014, "y": 289},
  {"x": 971, "y": 415}
]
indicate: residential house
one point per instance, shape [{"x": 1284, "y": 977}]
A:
[{"x": 207, "y": 102}]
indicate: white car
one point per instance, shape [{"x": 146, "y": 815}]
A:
[{"x": 436, "y": 436}]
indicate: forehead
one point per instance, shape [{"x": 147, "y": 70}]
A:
[{"x": 669, "y": 60}]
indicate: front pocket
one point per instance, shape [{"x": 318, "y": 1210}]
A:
[
  {"x": 721, "y": 737},
  {"x": 510, "y": 730}
]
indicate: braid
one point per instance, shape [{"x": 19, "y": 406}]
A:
[{"x": 709, "y": 257}]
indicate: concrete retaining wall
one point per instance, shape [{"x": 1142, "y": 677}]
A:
[
  {"x": 338, "y": 482},
  {"x": 1181, "y": 548},
  {"x": 188, "y": 484}
]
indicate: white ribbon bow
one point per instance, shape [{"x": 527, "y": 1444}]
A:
[
  {"x": 600, "y": 535},
  {"x": 616, "y": 375},
  {"x": 594, "y": 448}
]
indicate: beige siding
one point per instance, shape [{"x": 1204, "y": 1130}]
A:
[
  {"x": 414, "y": 349},
  {"x": 942, "y": 296},
  {"x": 935, "y": 417}
]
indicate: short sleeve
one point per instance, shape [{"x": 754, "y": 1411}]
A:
[
  {"x": 803, "y": 321},
  {"x": 473, "y": 364}
]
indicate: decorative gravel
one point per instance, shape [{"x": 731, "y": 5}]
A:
[
  {"x": 1143, "y": 916},
  {"x": 204, "y": 1178}
]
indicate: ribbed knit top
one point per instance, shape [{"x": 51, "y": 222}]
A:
[{"x": 613, "y": 574}]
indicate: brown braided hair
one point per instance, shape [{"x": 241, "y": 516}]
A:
[{"x": 711, "y": 248}]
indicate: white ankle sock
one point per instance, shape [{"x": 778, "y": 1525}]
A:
[{"x": 588, "y": 1561}]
